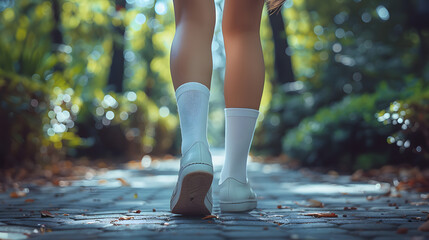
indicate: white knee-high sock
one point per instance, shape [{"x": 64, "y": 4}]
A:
[
  {"x": 192, "y": 104},
  {"x": 239, "y": 129}
]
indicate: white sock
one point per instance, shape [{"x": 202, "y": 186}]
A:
[
  {"x": 192, "y": 104},
  {"x": 239, "y": 129}
]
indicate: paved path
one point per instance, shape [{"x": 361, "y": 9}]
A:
[{"x": 100, "y": 206}]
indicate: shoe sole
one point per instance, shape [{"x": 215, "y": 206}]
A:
[
  {"x": 238, "y": 206},
  {"x": 192, "y": 194}
]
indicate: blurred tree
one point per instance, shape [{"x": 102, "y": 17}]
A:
[
  {"x": 116, "y": 75},
  {"x": 418, "y": 18},
  {"x": 283, "y": 72},
  {"x": 50, "y": 85},
  {"x": 57, "y": 36},
  {"x": 342, "y": 52}
]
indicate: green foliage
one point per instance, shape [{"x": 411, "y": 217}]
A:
[
  {"x": 409, "y": 117},
  {"x": 53, "y": 72},
  {"x": 348, "y": 133},
  {"x": 23, "y": 103},
  {"x": 144, "y": 128},
  {"x": 350, "y": 63}
]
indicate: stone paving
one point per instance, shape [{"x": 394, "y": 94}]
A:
[{"x": 101, "y": 207}]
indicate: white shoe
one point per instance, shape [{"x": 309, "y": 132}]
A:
[
  {"x": 193, "y": 193},
  {"x": 236, "y": 196}
]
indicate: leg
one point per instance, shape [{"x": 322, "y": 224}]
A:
[
  {"x": 244, "y": 82},
  {"x": 191, "y": 66},
  {"x": 191, "y": 70},
  {"x": 245, "y": 70},
  {"x": 191, "y": 56}
]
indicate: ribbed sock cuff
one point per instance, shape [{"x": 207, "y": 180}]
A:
[
  {"x": 241, "y": 112},
  {"x": 191, "y": 86}
]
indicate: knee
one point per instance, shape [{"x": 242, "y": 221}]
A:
[
  {"x": 242, "y": 18},
  {"x": 197, "y": 14},
  {"x": 239, "y": 28}
]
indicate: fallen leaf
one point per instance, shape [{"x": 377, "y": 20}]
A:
[
  {"x": 424, "y": 227},
  {"x": 357, "y": 176},
  {"x": 402, "y": 231},
  {"x": 55, "y": 182},
  {"x": 313, "y": 203},
  {"x": 29, "y": 200},
  {"x": 135, "y": 195},
  {"x": 126, "y": 218},
  {"x": 370, "y": 198},
  {"x": 319, "y": 215},
  {"x": 153, "y": 210},
  {"x": 46, "y": 214},
  {"x": 123, "y": 182},
  {"x": 209, "y": 217},
  {"x": 65, "y": 214},
  {"x": 397, "y": 195},
  {"x": 165, "y": 223},
  {"x": 137, "y": 211},
  {"x": 350, "y": 208},
  {"x": 17, "y": 194},
  {"x": 102, "y": 181},
  {"x": 282, "y": 207}
]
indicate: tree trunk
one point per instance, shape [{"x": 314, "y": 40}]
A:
[
  {"x": 56, "y": 35},
  {"x": 282, "y": 61},
  {"x": 117, "y": 67}
]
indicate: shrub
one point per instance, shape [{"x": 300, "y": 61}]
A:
[{"x": 348, "y": 133}]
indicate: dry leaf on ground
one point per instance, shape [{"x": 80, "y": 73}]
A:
[
  {"x": 123, "y": 182},
  {"x": 282, "y": 207},
  {"x": 137, "y": 211},
  {"x": 29, "y": 200},
  {"x": 370, "y": 198},
  {"x": 350, "y": 208},
  {"x": 357, "y": 176},
  {"x": 313, "y": 203},
  {"x": 424, "y": 227},
  {"x": 209, "y": 217},
  {"x": 126, "y": 218},
  {"x": 319, "y": 215},
  {"x": 46, "y": 214},
  {"x": 102, "y": 181},
  {"x": 17, "y": 194}
]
